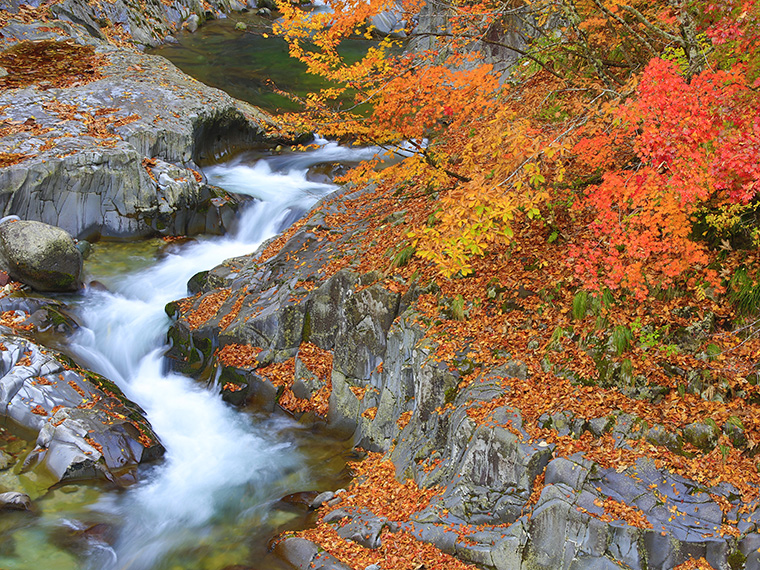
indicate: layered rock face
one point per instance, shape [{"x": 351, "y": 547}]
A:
[
  {"x": 85, "y": 426},
  {"x": 118, "y": 156},
  {"x": 387, "y": 393},
  {"x": 146, "y": 23}
]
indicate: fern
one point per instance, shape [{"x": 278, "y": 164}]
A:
[
  {"x": 744, "y": 293},
  {"x": 580, "y": 305}
]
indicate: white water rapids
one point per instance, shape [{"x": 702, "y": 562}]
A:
[{"x": 220, "y": 464}]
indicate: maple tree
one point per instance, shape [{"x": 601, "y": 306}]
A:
[
  {"x": 619, "y": 151},
  {"x": 619, "y": 126}
]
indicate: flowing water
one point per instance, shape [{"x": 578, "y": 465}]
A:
[{"x": 212, "y": 501}]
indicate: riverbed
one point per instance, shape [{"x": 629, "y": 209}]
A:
[{"x": 214, "y": 500}]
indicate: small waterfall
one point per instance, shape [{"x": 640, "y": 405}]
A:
[{"x": 220, "y": 464}]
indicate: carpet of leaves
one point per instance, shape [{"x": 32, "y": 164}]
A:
[
  {"x": 537, "y": 289},
  {"x": 282, "y": 375},
  {"x": 49, "y": 64},
  {"x": 376, "y": 489}
]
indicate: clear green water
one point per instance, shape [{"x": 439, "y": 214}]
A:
[
  {"x": 57, "y": 534},
  {"x": 109, "y": 261},
  {"x": 247, "y": 64}
]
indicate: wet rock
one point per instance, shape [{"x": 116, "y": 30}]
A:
[
  {"x": 41, "y": 256},
  {"x": 86, "y": 427},
  {"x": 321, "y": 499},
  {"x": 305, "y": 555},
  {"x": 304, "y": 498},
  {"x": 146, "y": 180},
  {"x": 15, "y": 501},
  {"x": 39, "y": 315},
  {"x": 192, "y": 23},
  {"x": 84, "y": 247},
  {"x": 6, "y": 460}
]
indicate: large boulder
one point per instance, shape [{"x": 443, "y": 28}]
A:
[
  {"x": 42, "y": 256},
  {"x": 117, "y": 152}
]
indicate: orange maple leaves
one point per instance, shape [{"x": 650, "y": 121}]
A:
[
  {"x": 376, "y": 489},
  {"x": 494, "y": 157}
]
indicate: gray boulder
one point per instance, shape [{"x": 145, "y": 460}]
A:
[
  {"x": 15, "y": 501},
  {"x": 120, "y": 156},
  {"x": 42, "y": 256},
  {"x": 305, "y": 555},
  {"x": 192, "y": 23}
]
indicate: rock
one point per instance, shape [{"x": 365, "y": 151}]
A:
[
  {"x": 86, "y": 427},
  {"x": 41, "y": 256},
  {"x": 363, "y": 528},
  {"x": 44, "y": 315},
  {"x": 6, "y": 460},
  {"x": 147, "y": 23},
  {"x": 658, "y": 435},
  {"x": 305, "y": 555},
  {"x": 84, "y": 247},
  {"x": 321, "y": 499},
  {"x": 304, "y": 498},
  {"x": 141, "y": 175},
  {"x": 241, "y": 26},
  {"x": 701, "y": 435},
  {"x": 15, "y": 501},
  {"x": 192, "y": 23},
  {"x": 390, "y": 22}
]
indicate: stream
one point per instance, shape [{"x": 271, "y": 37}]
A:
[{"x": 213, "y": 501}]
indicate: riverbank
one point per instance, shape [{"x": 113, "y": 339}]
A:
[{"x": 499, "y": 396}]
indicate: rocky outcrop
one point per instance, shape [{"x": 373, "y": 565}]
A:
[
  {"x": 509, "y": 35},
  {"x": 146, "y": 23},
  {"x": 41, "y": 256},
  {"x": 85, "y": 426},
  {"x": 506, "y": 501},
  {"x": 119, "y": 156}
]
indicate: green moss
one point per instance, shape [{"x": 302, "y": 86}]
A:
[
  {"x": 457, "y": 308},
  {"x": 744, "y": 292},
  {"x": 621, "y": 339},
  {"x": 736, "y": 560},
  {"x": 450, "y": 395},
  {"x": 580, "y": 305},
  {"x": 404, "y": 256},
  {"x": 306, "y": 333}
]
